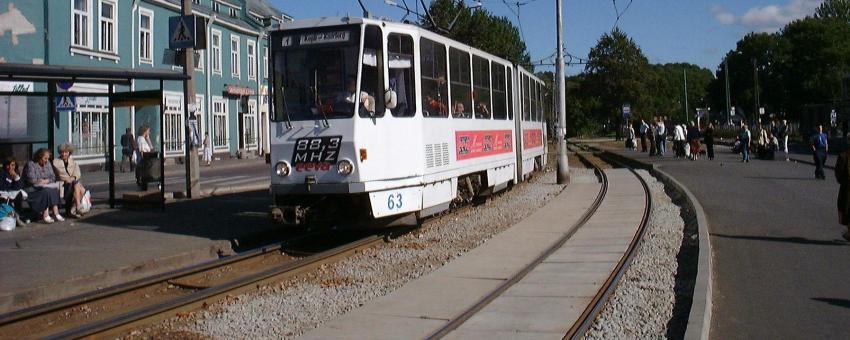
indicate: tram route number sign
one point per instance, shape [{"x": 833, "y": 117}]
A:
[{"x": 316, "y": 153}]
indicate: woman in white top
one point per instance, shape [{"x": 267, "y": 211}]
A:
[
  {"x": 208, "y": 152},
  {"x": 143, "y": 144}
]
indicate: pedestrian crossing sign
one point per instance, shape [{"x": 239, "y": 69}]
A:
[
  {"x": 181, "y": 32},
  {"x": 66, "y": 103}
]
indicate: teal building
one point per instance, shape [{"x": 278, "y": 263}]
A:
[{"x": 231, "y": 74}]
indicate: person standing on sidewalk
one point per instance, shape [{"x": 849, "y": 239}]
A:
[
  {"x": 782, "y": 137},
  {"x": 842, "y": 175},
  {"x": 708, "y": 138},
  {"x": 208, "y": 152},
  {"x": 820, "y": 148},
  {"x": 128, "y": 148},
  {"x": 643, "y": 129},
  {"x": 746, "y": 140},
  {"x": 660, "y": 138},
  {"x": 650, "y": 136}
]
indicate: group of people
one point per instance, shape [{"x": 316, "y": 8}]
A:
[
  {"x": 767, "y": 140},
  {"x": 687, "y": 140},
  {"x": 46, "y": 185}
]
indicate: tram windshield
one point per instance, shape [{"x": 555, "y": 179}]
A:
[{"x": 316, "y": 74}]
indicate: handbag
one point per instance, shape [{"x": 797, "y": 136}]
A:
[{"x": 85, "y": 203}]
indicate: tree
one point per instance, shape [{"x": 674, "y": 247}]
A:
[
  {"x": 836, "y": 9},
  {"x": 618, "y": 73},
  {"x": 479, "y": 29}
]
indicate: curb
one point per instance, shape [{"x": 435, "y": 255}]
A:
[
  {"x": 226, "y": 190},
  {"x": 699, "y": 318}
]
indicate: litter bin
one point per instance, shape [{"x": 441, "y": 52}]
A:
[{"x": 148, "y": 169}]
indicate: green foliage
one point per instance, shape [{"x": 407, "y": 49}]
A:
[
  {"x": 837, "y": 9},
  {"x": 479, "y": 29}
]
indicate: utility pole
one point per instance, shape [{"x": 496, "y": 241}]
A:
[
  {"x": 685, "y": 72},
  {"x": 193, "y": 185},
  {"x": 728, "y": 102},
  {"x": 563, "y": 163},
  {"x": 756, "y": 112}
]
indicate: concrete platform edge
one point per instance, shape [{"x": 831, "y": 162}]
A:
[{"x": 699, "y": 318}]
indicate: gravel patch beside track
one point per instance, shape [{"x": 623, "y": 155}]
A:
[
  {"x": 293, "y": 307},
  {"x": 642, "y": 306}
]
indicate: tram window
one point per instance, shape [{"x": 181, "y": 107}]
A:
[
  {"x": 461, "y": 87},
  {"x": 402, "y": 78},
  {"x": 434, "y": 87},
  {"x": 533, "y": 96},
  {"x": 540, "y": 101},
  {"x": 510, "y": 88},
  {"x": 498, "y": 76},
  {"x": 481, "y": 85},
  {"x": 526, "y": 99},
  {"x": 372, "y": 97}
]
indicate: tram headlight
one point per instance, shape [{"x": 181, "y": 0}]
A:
[
  {"x": 282, "y": 169},
  {"x": 344, "y": 167}
]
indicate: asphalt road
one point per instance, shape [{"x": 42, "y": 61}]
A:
[{"x": 782, "y": 270}]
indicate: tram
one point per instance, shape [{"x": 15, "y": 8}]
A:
[{"x": 376, "y": 120}]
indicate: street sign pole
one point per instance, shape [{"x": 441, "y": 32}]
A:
[
  {"x": 193, "y": 184},
  {"x": 563, "y": 173}
]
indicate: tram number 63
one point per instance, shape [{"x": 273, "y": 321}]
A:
[{"x": 394, "y": 201}]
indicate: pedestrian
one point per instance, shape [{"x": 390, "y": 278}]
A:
[
  {"x": 842, "y": 175},
  {"x": 68, "y": 171},
  {"x": 708, "y": 138},
  {"x": 661, "y": 138},
  {"x": 208, "y": 152},
  {"x": 782, "y": 137},
  {"x": 678, "y": 138},
  {"x": 820, "y": 149},
  {"x": 128, "y": 148},
  {"x": 643, "y": 128},
  {"x": 693, "y": 139},
  {"x": 41, "y": 187},
  {"x": 746, "y": 141},
  {"x": 650, "y": 136},
  {"x": 143, "y": 145}
]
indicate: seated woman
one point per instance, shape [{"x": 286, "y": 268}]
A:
[
  {"x": 11, "y": 184},
  {"x": 41, "y": 187},
  {"x": 68, "y": 171}
]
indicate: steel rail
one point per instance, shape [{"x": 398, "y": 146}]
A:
[
  {"x": 580, "y": 327},
  {"x": 468, "y": 313},
  {"x": 144, "y": 316}
]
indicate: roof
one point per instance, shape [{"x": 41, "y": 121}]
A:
[
  {"x": 263, "y": 7},
  {"x": 83, "y": 74}
]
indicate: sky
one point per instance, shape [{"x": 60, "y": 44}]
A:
[{"x": 693, "y": 31}]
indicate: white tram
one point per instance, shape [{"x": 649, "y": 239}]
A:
[{"x": 376, "y": 120}]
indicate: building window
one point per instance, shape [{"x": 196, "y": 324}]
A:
[
  {"x": 88, "y": 129},
  {"x": 173, "y": 125},
  {"x": 215, "y": 6},
  {"x": 234, "y": 12},
  {"x": 234, "y": 57},
  {"x": 108, "y": 25},
  {"x": 249, "y": 126},
  {"x": 145, "y": 36},
  {"x": 219, "y": 124},
  {"x": 266, "y": 62},
  {"x": 199, "y": 61},
  {"x": 216, "y": 52},
  {"x": 196, "y": 2},
  {"x": 252, "y": 59},
  {"x": 81, "y": 30}
]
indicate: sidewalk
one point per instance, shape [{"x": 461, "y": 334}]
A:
[
  {"x": 45, "y": 262},
  {"x": 543, "y": 304}
]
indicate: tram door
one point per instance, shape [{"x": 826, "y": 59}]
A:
[{"x": 394, "y": 131}]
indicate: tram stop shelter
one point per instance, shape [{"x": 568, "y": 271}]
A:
[{"x": 59, "y": 75}]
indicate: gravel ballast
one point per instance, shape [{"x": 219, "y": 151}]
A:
[
  {"x": 294, "y": 307},
  {"x": 642, "y": 306}
]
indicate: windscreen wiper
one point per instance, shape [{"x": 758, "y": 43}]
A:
[
  {"x": 286, "y": 110},
  {"x": 317, "y": 99}
]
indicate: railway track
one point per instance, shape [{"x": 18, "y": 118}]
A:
[
  {"x": 115, "y": 310},
  {"x": 582, "y": 324}
]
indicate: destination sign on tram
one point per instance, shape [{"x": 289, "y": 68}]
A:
[{"x": 324, "y": 37}]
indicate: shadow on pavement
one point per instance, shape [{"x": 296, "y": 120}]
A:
[
  {"x": 798, "y": 240},
  {"x": 782, "y": 178},
  {"x": 835, "y": 302}
]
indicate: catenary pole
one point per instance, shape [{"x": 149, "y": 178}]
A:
[
  {"x": 193, "y": 185},
  {"x": 685, "y": 73},
  {"x": 563, "y": 163},
  {"x": 728, "y": 102}
]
